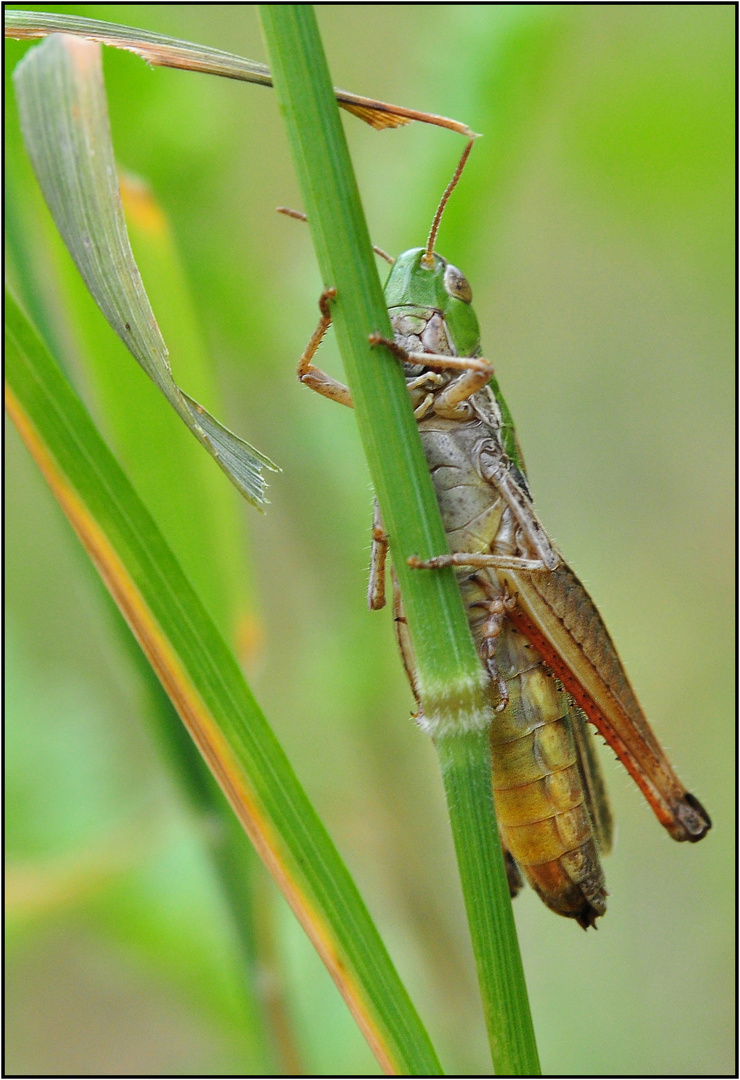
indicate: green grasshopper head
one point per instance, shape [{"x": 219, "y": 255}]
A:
[
  {"x": 422, "y": 282},
  {"x": 418, "y": 283}
]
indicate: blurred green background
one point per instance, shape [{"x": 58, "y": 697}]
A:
[{"x": 595, "y": 223}]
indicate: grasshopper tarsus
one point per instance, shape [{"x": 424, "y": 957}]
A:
[
  {"x": 697, "y": 822},
  {"x": 513, "y": 876},
  {"x": 326, "y": 296}
]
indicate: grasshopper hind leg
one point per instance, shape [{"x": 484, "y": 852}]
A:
[
  {"x": 403, "y": 638},
  {"x": 378, "y": 559}
]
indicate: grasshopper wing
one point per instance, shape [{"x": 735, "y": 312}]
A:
[
  {"x": 592, "y": 779},
  {"x": 560, "y": 619}
]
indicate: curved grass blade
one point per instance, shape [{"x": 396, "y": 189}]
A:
[
  {"x": 64, "y": 119},
  {"x": 210, "y": 548},
  {"x": 163, "y": 51},
  {"x": 206, "y": 686}
]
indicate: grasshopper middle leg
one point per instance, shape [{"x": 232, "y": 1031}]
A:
[{"x": 452, "y": 400}]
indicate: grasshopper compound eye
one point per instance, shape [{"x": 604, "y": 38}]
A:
[{"x": 457, "y": 284}]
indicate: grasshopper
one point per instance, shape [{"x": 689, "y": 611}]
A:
[{"x": 551, "y": 661}]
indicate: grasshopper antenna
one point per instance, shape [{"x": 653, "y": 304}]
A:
[
  {"x": 302, "y": 217},
  {"x": 428, "y": 256}
]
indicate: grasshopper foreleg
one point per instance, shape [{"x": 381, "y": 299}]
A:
[{"x": 312, "y": 376}]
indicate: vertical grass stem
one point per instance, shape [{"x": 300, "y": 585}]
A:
[{"x": 452, "y": 685}]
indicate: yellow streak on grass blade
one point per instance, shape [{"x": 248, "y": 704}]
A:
[{"x": 199, "y": 722}]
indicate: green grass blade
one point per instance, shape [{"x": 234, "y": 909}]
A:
[
  {"x": 64, "y": 118},
  {"x": 451, "y": 682},
  {"x": 204, "y": 681}
]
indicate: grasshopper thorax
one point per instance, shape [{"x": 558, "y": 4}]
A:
[{"x": 417, "y": 289}]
